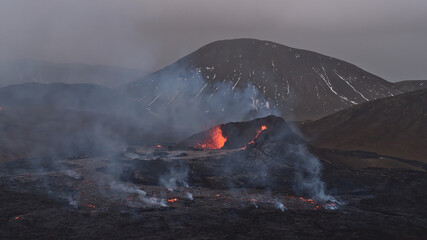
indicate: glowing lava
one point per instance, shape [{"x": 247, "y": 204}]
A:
[
  {"x": 263, "y": 127},
  {"x": 215, "y": 140},
  {"x": 20, "y": 217},
  {"x": 172, "y": 200}
]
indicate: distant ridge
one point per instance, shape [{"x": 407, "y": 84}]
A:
[{"x": 23, "y": 71}]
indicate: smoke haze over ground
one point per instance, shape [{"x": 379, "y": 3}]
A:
[{"x": 55, "y": 119}]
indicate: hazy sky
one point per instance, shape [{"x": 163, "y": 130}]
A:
[{"x": 385, "y": 37}]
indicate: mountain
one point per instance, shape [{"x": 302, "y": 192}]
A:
[
  {"x": 394, "y": 126},
  {"x": 297, "y": 84},
  {"x": 22, "y": 71},
  {"x": 410, "y": 85}
]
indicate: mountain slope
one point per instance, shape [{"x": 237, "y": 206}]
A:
[
  {"x": 300, "y": 84},
  {"x": 394, "y": 126}
]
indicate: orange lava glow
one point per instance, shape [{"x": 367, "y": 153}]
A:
[
  {"x": 310, "y": 201},
  {"x": 215, "y": 140},
  {"x": 18, "y": 218},
  {"x": 172, "y": 200},
  {"x": 129, "y": 198},
  {"x": 158, "y": 146},
  {"x": 263, "y": 127}
]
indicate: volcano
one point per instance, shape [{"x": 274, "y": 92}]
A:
[{"x": 235, "y": 135}]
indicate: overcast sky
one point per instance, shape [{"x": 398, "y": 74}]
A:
[{"x": 385, "y": 37}]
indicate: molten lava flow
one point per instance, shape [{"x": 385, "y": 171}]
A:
[
  {"x": 158, "y": 146},
  {"x": 20, "y": 217},
  {"x": 263, "y": 127},
  {"x": 215, "y": 140},
  {"x": 172, "y": 200},
  {"x": 309, "y": 201},
  {"x": 129, "y": 198}
]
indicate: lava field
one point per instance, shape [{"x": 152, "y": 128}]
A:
[{"x": 249, "y": 190}]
